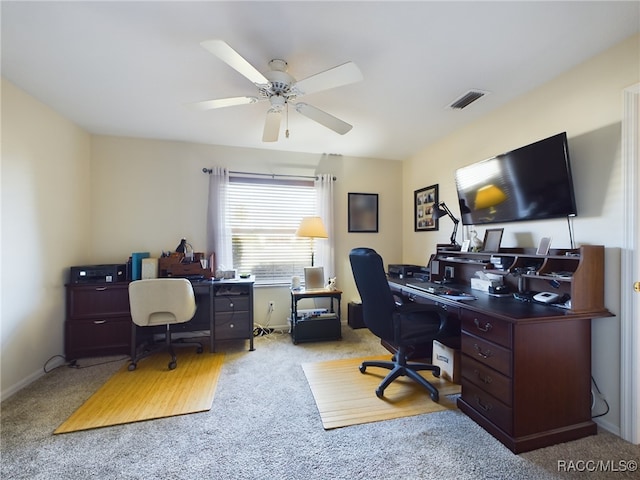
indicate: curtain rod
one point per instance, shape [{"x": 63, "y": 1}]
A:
[{"x": 271, "y": 175}]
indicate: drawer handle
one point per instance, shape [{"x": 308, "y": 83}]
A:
[
  {"x": 484, "y": 407},
  {"x": 482, "y": 354},
  {"x": 100, "y": 289},
  {"x": 99, "y": 322},
  {"x": 486, "y": 328},
  {"x": 486, "y": 379}
]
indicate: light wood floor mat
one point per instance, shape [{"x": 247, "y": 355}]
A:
[
  {"x": 345, "y": 396},
  {"x": 151, "y": 391}
]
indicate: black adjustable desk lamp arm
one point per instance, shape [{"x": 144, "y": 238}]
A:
[{"x": 455, "y": 221}]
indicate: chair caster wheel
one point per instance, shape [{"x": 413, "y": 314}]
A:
[
  {"x": 199, "y": 350},
  {"x": 435, "y": 397},
  {"x": 362, "y": 368},
  {"x": 172, "y": 365},
  {"x": 132, "y": 366},
  {"x": 379, "y": 393}
]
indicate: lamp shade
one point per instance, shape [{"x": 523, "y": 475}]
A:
[
  {"x": 438, "y": 212},
  {"x": 312, "y": 227},
  {"x": 488, "y": 196}
]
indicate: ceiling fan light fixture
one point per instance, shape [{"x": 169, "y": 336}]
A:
[
  {"x": 277, "y": 103},
  {"x": 280, "y": 89}
]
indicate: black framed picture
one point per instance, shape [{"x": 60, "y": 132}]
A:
[
  {"x": 424, "y": 201},
  {"x": 363, "y": 212},
  {"x": 492, "y": 239}
]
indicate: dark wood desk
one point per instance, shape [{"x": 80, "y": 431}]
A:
[
  {"x": 99, "y": 320},
  {"x": 526, "y": 368},
  {"x": 224, "y": 309}
]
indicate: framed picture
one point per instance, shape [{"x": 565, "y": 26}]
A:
[
  {"x": 363, "y": 212},
  {"x": 543, "y": 246},
  {"x": 492, "y": 239},
  {"x": 465, "y": 246},
  {"x": 313, "y": 278},
  {"x": 424, "y": 201}
]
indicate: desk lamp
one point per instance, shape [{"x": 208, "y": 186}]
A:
[
  {"x": 442, "y": 210},
  {"x": 312, "y": 227}
]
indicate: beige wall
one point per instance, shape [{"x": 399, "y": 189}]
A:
[
  {"x": 147, "y": 194},
  {"x": 586, "y": 102},
  {"x": 45, "y": 228}
]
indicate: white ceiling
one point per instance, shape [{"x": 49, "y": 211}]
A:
[{"x": 129, "y": 68}]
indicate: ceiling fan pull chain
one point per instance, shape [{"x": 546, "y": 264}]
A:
[{"x": 286, "y": 132}]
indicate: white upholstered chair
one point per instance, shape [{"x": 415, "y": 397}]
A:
[{"x": 161, "y": 302}]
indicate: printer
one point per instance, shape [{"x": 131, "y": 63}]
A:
[
  {"x": 403, "y": 271},
  {"x": 98, "y": 273}
]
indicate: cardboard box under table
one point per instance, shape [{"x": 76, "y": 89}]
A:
[{"x": 448, "y": 359}]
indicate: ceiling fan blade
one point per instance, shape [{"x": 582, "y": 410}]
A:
[
  {"x": 222, "y": 102},
  {"x": 334, "y": 77},
  {"x": 272, "y": 126},
  {"x": 232, "y": 58},
  {"x": 323, "y": 118}
]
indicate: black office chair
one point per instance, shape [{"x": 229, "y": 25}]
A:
[{"x": 402, "y": 326}]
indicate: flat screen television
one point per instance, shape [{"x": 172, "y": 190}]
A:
[{"x": 529, "y": 183}]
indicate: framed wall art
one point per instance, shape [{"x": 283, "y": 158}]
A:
[
  {"x": 424, "y": 201},
  {"x": 363, "y": 212}
]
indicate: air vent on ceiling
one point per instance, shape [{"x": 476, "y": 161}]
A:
[{"x": 467, "y": 99}]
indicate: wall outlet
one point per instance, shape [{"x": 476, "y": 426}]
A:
[
  {"x": 272, "y": 305},
  {"x": 448, "y": 272}
]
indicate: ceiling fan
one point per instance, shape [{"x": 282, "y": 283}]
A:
[{"x": 281, "y": 89}]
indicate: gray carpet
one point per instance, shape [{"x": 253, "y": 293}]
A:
[{"x": 264, "y": 424}]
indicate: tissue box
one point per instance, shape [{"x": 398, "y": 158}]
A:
[{"x": 480, "y": 284}]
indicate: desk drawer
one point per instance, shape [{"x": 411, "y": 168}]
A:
[
  {"x": 489, "y": 328},
  {"x": 239, "y": 303},
  {"x": 488, "y": 380},
  {"x": 487, "y": 353},
  {"x": 488, "y": 406},
  {"x": 233, "y": 325},
  {"x": 107, "y": 336},
  {"x": 96, "y": 300}
]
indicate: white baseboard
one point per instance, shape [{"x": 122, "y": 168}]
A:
[
  {"x": 55, "y": 363},
  {"x": 608, "y": 426}
]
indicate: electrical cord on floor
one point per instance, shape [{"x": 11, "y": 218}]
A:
[
  {"x": 593, "y": 400},
  {"x": 74, "y": 364},
  {"x": 263, "y": 330}
]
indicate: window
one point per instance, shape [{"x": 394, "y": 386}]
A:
[{"x": 264, "y": 215}]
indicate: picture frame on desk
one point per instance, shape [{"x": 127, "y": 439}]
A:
[
  {"x": 424, "y": 202},
  {"x": 492, "y": 240},
  {"x": 543, "y": 246}
]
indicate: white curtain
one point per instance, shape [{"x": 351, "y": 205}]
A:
[
  {"x": 218, "y": 231},
  {"x": 325, "y": 251}
]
